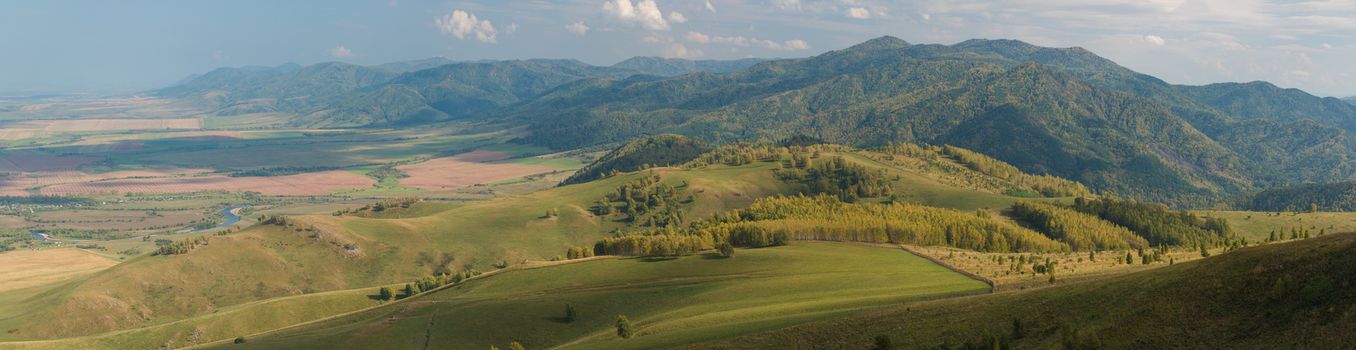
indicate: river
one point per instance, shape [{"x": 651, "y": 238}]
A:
[{"x": 230, "y": 215}]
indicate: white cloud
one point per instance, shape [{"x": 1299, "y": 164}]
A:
[
  {"x": 677, "y": 17},
  {"x": 859, "y": 13},
  {"x": 1325, "y": 46},
  {"x": 578, "y": 28},
  {"x": 644, "y": 12},
  {"x": 1154, "y": 39},
  {"x": 788, "y": 5},
  {"x": 926, "y": 16},
  {"x": 512, "y": 27},
  {"x": 709, "y": 7},
  {"x": 698, "y": 37},
  {"x": 681, "y": 51},
  {"x": 340, "y": 52},
  {"x": 789, "y": 45},
  {"x": 460, "y": 23},
  {"x": 796, "y": 44}
]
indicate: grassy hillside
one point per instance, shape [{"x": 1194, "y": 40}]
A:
[
  {"x": 318, "y": 253},
  {"x": 671, "y": 302},
  {"x": 324, "y": 252},
  {"x": 1292, "y": 295}
]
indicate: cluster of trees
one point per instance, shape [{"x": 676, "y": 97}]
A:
[
  {"x": 1300, "y": 232},
  {"x": 826, "y": 217},
  {"x": 180, "y": 247},
  {"x": 1079, "y": 230},
  {"x": 740, "y": 153},
  {"x": 837, "y": 177},
  {"x": 647, "y": 197},
  {"x": 750, "y": 236},
  {"x": 513, "y": 345},
  {"x": 383, "y": 205},
  {"x": 425, "y": 284},
  {"x": 1046, "y": 185},
  {"x": 666, "y": 242},
  {"x": 579, "y": 253},
  {"x": 1158, "y": 224}
]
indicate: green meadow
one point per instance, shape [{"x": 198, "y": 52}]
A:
[{"x": 670, "y": 301}]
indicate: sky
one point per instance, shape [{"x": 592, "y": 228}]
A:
[{"x": 128, "y": 46}]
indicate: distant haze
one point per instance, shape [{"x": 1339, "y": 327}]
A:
[{"x": 107, "y": 46}]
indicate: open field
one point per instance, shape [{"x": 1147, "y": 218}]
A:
[
  {"x": 1252, "y": 298},
  {"x": 1257, "y": 226},
  {"x": 28, "y": 268},
  {"x": 465, "y": 170},
  {"x": 318, "y": 183},
  {"x": 119, "y": 220},
  {"x": 1011, "y": 271},
  {"x": 24, "y": 184},
  {"x": 671, "y": 302},
  {"x": 76, "y": 125}
]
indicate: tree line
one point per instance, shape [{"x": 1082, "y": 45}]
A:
[
  {"x": 1079, "y": 230},
  {"x": 1158, "y": 224},
  {"x": 181, "y": 246}
]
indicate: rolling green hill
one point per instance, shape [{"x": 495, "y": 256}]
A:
[
  {"x": 301, "y": 255},
  {"x": 1291, "y": 295},
  {"x": 670, "y": 302},
  {"x": 652, "y": 151}
]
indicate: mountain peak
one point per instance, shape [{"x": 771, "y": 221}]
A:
[{"x": 884, "y": 42}]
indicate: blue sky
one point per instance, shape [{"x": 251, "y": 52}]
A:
[{"x": 56, "y": 45}]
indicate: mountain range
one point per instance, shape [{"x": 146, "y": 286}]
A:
[{"x": 1061, "y": 111}]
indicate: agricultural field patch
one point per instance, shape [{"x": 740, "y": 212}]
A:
[
  {"x": 76, "y": 125},
  {"x": 29, "y": 268},
  {"x": 318, "y": 183},
  {"x": 465, "y": 170},
  {"x": 120, "y": 220},
  {"x": 27, "y": 183}
]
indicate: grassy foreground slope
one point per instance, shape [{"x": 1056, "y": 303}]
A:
[
  {"x": 326, "y": 253},
  {"x": 671, "y": 302},
  {"x": 1297, "y": 295}
]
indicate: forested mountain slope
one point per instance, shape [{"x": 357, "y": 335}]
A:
[
  {"x": 1066, "y": 112},
  {"x": 678, "y": 66},
  {"x": 1063, "y": 111}
]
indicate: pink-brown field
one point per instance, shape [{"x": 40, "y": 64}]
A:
[
  {"x": 109, "y": 124},
  {"x": 18, "y": 184},
  {"x": 464, "y": 170},
  {"x": 319, "y": 183}
]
